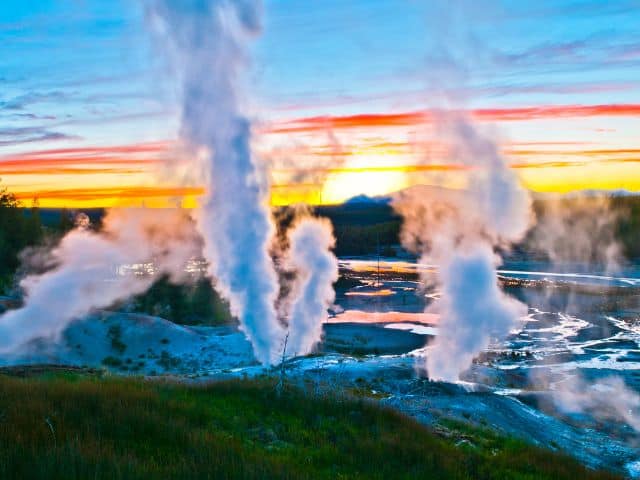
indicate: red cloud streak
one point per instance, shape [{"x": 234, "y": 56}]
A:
[
  {"x": 125, "y": 192},
  {"x": 84, "y": 160},
  {"x": 372, "y": 120}
]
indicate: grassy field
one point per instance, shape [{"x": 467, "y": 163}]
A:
[{"x": 78, "y": 426}]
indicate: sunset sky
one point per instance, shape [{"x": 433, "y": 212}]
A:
[{"x": 342, "y": 94}]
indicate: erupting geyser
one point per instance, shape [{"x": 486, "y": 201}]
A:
[
  {"x": 208, "y": 41},
  {"x": 458, "y": 230},
  {"x": 316, "y": 270}
]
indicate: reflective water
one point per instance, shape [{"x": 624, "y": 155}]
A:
[{"x": 577, "y": 320}]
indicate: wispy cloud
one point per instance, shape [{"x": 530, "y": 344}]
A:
[
  {"x": 606, "y": 152},
  {"x": 28, "y": 116},
  {"x": 374, "y": 120},
  {"x": 22, "y": 135},
  {"x": 20, "y": 102},
  {"x": 97, "y": 151},
  {"x": 557, "y": 111},
  {"x": 348, "y": 121},
  {"x": 435, "y": 167},
  {"x": 85, "y": 160},
  {"x": 125, "y": 192},
  {"x": 603, "y": 49}
]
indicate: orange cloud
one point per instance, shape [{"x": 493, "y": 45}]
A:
[
  {"x": 552, "y": 164},
  {"x": 385, "y": 168},
  {"x": 108, "y": 195},
  {"x": 582, "y": 153},
  {"x": 349, "y": 121},
  {"x": 556, "y": 111},
  {"x": 373, "y": 120},
  {"x": 149, "y": 147},
  {"x": 560, "y": 163},
  {"x": 375, "y": 152},
  {"x": 120, "y": 159},
  {"x": 46, "y": 168}
]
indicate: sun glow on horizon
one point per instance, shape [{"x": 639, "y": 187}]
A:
[
  {"x": 343, "y": 186},
  {"x": 311, "y": 170}
]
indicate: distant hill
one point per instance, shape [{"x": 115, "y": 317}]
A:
[
  {"x": 367, "y": 200},
  {"x": 358, "y": 213}
]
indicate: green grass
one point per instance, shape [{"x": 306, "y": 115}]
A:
[{"x": 68, "y": 427}]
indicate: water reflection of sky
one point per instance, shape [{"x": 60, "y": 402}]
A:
[
  {"x": 627, "y": 276},
  {"x": 563, "y": 331}
]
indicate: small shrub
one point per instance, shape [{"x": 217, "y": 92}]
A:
[
  {"x": 168, "y": 361},
  {"x": 115, "y": 334},
  {"x": 111, "y": 361}
]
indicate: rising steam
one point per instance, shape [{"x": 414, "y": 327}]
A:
[
  {"x": 458, "y": 230},
  {"x": 316, "y": 270},
  {"x": 84, "y": 273},
  {"x": 208, "y": 43},
  {"x": 473, "y": 311},
  {"x": 579, "y": 231},
  {"x": 606, "y": 399}
]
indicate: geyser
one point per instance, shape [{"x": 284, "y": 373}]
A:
[
  {"x": 458, "y": 230},
  {"x": 208, "y": 43},
  {"x": 316, "y": 269}
]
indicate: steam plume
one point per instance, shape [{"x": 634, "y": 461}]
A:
[
  {"x": 473, "y": 310},
  {"x": 458, "y": 230},
  {"x": 208, "y": 41},
  {"x": 83, "y": 277},
  {"x": 579, "y": 230},
  {"x": 316, "y": 270},
  {"x": 606, "y": 399}
]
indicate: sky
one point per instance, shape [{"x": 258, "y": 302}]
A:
[{"x": 342, "y": 96}]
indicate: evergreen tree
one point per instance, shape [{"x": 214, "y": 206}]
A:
[
  {"x": 17, "y": 231},
  {"x": 66, "y": 221}
]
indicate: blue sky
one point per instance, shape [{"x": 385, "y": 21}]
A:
[{"x": 87, "y": 72}]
